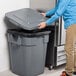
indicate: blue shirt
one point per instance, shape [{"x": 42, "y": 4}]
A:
[{"x": 65, "y": 8}]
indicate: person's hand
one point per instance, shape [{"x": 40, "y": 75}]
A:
[
  {"x": 43, "y": 14},
  {"x": 42, "y": 25}
]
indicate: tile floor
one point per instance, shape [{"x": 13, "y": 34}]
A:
[{"x": 53, "y": 72}]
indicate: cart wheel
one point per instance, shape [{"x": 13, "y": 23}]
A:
[{"x": 50, "y": 67}]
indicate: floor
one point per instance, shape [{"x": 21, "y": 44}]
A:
[{"x": 54, "y": 72}]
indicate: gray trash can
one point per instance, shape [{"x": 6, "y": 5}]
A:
[
  {"x": 27, "y": 49},
  {"x": 27, "y": 52}
]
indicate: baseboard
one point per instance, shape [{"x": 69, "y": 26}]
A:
[{"x": 4, "y": 69}]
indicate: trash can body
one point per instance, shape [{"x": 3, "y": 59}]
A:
[{"x": 27, "y": 52}]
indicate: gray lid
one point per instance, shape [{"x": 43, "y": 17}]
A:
[{"x": 26, "y": 18}]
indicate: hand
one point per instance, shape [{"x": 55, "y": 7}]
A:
[
  {"x": 42, "y": 25},
  {"x": 43, "y": 14}
]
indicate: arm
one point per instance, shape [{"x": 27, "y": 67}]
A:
[
  {"x": 50, "y": 12},
  {"x": 62, "y": 5}
]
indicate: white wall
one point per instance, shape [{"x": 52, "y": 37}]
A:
[{"x": 6, "y": 6}]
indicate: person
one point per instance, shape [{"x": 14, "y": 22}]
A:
[{"x": 67, "y": 9}]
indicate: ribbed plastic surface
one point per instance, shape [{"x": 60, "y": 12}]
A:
[{"x": 27, "y": 54}]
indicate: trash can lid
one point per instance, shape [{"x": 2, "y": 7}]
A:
[{"x": 26, "y": 18}]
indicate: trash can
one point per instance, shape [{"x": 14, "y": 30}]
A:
[
  {"x": 27, "y": 47},
  {"x": 27, "y": 52}
]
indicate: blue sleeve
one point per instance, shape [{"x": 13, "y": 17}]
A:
[
  {"x": 50, "y": 12},
  {"x": 62, "y": 5}
]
